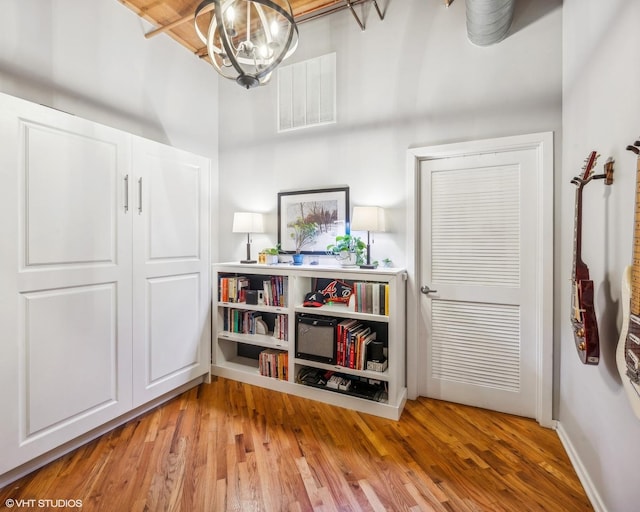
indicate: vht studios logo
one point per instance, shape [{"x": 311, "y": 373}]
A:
[{"x": 42, "y": 503}]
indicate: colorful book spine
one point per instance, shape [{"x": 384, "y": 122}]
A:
[
  {"x": 274, "y": 363},
  {"x": 372, "y": 298}
]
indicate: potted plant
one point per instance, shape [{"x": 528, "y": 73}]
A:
[
  {"x": 271, "y": 255},
  {"x": 348, "y": 250},
  {"x": 304, "y": 233}
]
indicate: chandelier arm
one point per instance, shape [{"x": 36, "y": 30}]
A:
[
  {"x": 204, "y": 7},
  {"x": 263, "y": 19},
  {"x": 268, "y": 3},
  {"x": 225, "y": 40},
  {"x": 269, "y": 69}
]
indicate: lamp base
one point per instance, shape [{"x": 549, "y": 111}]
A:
[
  {"x": 368, "y": 266},
  {"x": 248, "y": 261}
]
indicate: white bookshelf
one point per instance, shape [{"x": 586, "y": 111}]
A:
[{"x": 235, "y": 354}]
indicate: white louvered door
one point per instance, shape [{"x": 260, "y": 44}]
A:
[{"x": 478, "y": 227}]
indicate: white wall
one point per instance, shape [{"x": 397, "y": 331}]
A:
[
  {"x": 410, "y": 80},
  {"x": 90, "y": 58},
  {"x": 601, "y": 111}
]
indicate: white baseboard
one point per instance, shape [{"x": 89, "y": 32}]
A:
[{"x": 583, "y": 475}]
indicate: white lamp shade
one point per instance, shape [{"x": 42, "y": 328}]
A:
[
  {"x": 245, "y": 222},
  {"x": 368, "y": 218}
]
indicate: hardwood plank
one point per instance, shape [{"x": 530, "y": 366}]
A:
[{"x": 230, "y": 446}]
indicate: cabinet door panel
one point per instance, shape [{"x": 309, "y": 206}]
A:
[
  {"x": 69, "y": 342},
  {"x": 69, "y": 197},
  {"x": 171, "y": 296},
  {"x": 173, "y": 303},
  {"x": 65, "y": 298},
  {"x": 174, "y": 207}
]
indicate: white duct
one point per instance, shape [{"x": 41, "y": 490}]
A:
[{"x": 488, "y": 21}]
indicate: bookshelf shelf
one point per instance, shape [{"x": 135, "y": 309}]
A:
[
  {"x": 342, "y": 311},
  {"x": 253, "y": 307},
  {"x": 382, "y": 376},
  {"x": 236, "y": 355},
  {"x": 259, "y": 340}
]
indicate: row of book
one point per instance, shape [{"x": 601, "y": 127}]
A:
[
  {"x": 352, "y": 340},
  {"x": 233, "y": 289},
  {"x": 252, "y": 322},
  {"x": 275, "y": 291},
  {"x": 274, "y": 363},
  {"x": 371, "y": 298},
  {"x": 368, "y": 297}
]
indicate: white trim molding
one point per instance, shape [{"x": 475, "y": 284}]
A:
[{"x": 581, "y": 471}]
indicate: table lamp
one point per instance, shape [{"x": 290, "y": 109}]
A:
[
  {"x": 368, "y": 218},
  {"x": 245, "y": 222}
]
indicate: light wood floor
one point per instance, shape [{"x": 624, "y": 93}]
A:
[{"x": 231, "y": 446}]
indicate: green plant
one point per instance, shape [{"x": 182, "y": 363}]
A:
[
  {"x": 304, "y": 233},
  {"x": 348, "y": 243},
  {"x": 272, "y": 251}
]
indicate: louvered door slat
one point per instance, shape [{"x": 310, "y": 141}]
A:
[{"x": 475, "y": 216}]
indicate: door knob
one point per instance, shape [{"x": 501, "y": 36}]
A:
[{"x": 426, "y": 290}]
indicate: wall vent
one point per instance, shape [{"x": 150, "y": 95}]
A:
[{"x": 307, "y": 93}]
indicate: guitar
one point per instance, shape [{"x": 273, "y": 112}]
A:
[
  {"x": 628, "y": 350},
  {"x": 583, "y": 315}
]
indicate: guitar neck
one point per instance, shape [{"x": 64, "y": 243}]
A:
[
  {"x": 579, "y": 268},
  {"x": 635, "y": 269}
]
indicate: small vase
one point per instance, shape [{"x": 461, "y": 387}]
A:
[{"x": 297, "y": 259}]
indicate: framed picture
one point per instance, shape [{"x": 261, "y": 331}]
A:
[{"x": 309, "y": 220}]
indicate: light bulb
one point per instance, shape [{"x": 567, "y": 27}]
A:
[
  {"x": 231, "y": 14},
  {"x": 275, "y": 28}
]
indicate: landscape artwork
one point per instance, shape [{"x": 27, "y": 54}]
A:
[{"x": 309, "y": 220}]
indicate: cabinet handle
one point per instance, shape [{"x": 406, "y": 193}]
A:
[
  {"x": 126, "y": 193},
  {"x": 139, "y": 196}
]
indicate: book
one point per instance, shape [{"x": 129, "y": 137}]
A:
[
  {"x": 375, "y": 298},
  {"x": 362, "y": 361},
  {"x": 341, "y": 330}
]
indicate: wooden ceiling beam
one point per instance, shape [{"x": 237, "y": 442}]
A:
[
  {"x": 176, "y": 17},
  {"x": 303, "y": 9},
  {"x": 180, "y": 21}
]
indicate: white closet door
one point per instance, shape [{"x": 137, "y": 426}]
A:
[
  {"x": 478, "y": 247},
  {"x": 171, "y": 292},
  {"x": 65, "y": 274}
]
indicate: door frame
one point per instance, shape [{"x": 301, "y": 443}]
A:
[{"x": 542, "y": 143}]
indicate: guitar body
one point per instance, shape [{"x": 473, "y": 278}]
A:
[
  {"x": 585, "y": 325},
  {"x": 628, "y": 349},
  {"x": 632, "y": 390},
  {"x": 583, "y": 314}
]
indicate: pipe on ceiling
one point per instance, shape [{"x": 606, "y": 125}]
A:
[{"x": 488, "y": 21}]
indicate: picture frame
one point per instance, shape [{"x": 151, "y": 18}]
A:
[{"x": 313, "y": 218}]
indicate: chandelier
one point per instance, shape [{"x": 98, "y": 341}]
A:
[{"x": 247, "y": 39}]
